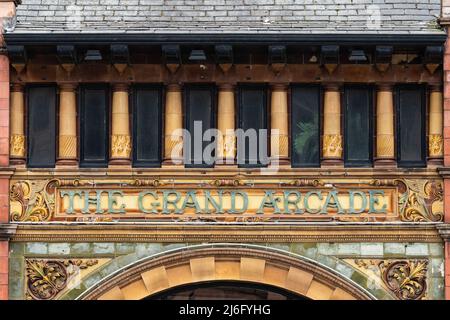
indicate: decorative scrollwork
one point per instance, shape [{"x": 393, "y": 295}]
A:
[
  {"x": 384, "y": 182},
  {"x": 196, "y": 219},
  {"x": 227, "y": 183},
  {"x": 147, "y": 183},
  {"x": 47, "y": 278},
  {"x": 406, "y": 279},
  {"x": 306, "y": 183},
  {"x": 253, "y": 219},
  {"x": 421, "y": 201},
  {"x": 70, "y": 183},
  {"x": 36, "y": 200}
]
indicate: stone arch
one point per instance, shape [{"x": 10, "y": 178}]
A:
[{"x": 206, "y": 263}]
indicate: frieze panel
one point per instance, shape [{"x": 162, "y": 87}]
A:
[{"x": 229, "y": 200}]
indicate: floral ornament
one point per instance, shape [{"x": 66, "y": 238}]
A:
[
  {"x": 36, "y": 199},
  {"x": 421, "y": 201},
  {"x": 47, "y": 278},
  {"x": 406, "y": 279}
]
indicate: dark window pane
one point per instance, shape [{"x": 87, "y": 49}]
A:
[
  {"x": 94, "y": 122},
  {"x": 41, "y": 126},
  {"x": 358, "y": 126},
  {"x": 147, "y": 119},
  {"x": 252, "y": 115},
  {"x": 411, "y": 126},
  {"x": 199, "y": 105},
  {"x": 305, "y": 124}
]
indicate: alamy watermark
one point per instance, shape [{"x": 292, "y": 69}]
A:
[{"x": 206, "y": 147}]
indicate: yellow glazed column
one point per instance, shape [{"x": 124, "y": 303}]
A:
[
  {"x": 226, "y": 144},
  {"x": 332, "y": 136},
  {"x": 279, "y": 142},
  {"x": 435, "y": 140},
  {"x": 67, "y": 150},
  {"x": 173, "y": 137},
  {"x": 17, "y": 140},
  {"x": 120, "y": 137},
  {"x": 385, "y": 127}
]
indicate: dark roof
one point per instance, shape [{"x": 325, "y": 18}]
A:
[{"x": 229, "y": 16}]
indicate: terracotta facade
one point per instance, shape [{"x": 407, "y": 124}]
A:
[{"x": 327, "y": 231}]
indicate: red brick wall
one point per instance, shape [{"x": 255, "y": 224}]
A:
[{"x": 7, "y": 9}]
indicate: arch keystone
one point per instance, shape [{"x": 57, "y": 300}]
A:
[{"x": 226, "y": 270}]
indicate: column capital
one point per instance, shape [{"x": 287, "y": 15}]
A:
[
  {"x": 17, "y": 87},
  {"x": 225, "y": 86},
  {"x": 174, "y": 87},
  {"x": 385, "y": 87},
  {"x": 332, "y": 87},
  {"x": 279, "y": 86},
  {"x": 67, "y": 86},
  {"x": 120, "y": 87},
  {"x": 435, "y": 87}
]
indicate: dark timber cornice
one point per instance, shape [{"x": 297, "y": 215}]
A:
[{"x": 221, "y": 38}]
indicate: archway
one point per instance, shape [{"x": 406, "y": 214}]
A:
[
  {"x": 226, "y": 263},
  {"x": 225, "y": 290}
]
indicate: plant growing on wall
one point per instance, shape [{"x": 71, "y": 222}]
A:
[{"x": 305, "y": 140}]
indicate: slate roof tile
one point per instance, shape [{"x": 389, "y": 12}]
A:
[{"x": 228, "y": 16}]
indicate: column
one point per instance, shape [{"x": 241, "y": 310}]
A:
[
  {"x": 332, "y": 136},
  {"x": 17, "y": 139},
  {"x": 67, "y": 146},
  {"x": 385, "y": 155},
  {"x": 173, "y": 137},
  {"x": 226, "y": 144},
  {"x": 445, "y": 21},
  {"x": 435, "y": 133},
  {"x": 279, "y": 142},
  {"x": 120, "y": 133}
]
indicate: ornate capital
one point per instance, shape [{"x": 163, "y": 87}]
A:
[
  {"x": 120, "y": 146},
  {"x": 332, "y": 146},
  {"x": 17, "y": 146},
  {"x": 436, "y": 145}
]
